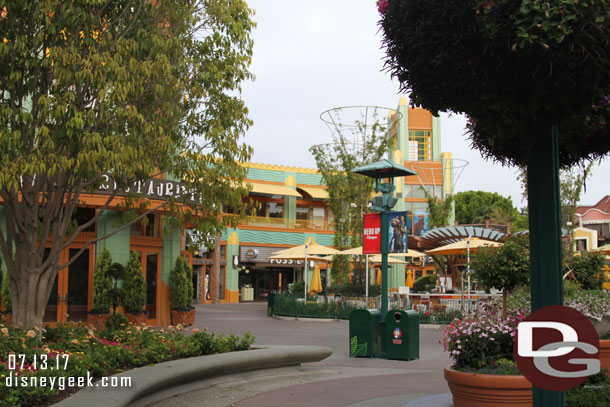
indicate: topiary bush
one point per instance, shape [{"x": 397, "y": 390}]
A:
[
  {"x": 134, "y": 286},
  {"x": 102, "y": 283},
  {"x": 181, "y": 285},
  {"x": 515, "y": 67}
]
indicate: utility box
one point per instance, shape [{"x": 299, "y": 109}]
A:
[
  {"x": 402, "y": 334},
  {"x": 364, "y": 333}
]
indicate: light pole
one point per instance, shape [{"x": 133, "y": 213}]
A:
[{"x": 380, "y": 170}]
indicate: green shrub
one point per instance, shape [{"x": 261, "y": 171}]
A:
[
  {"x": 351, "y": 289},
  {"x": 594, "y": 392},
  {"x": 116, "y": 320},
  {"x": 425, "y": 283},
  {"x": 297, "y": 288},
  {"x": 181, "y": 285},
  {"x": 101, "y": 353},
  {"x": 102, "y": 283},
  {"x": 134, "y": 286},
  {"x": 587, "y": 269}
]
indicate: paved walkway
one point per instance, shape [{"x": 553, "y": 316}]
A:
[{"x": 337, "y": 381}]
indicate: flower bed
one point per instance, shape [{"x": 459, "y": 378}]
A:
[{"x": 76, "y": 350}]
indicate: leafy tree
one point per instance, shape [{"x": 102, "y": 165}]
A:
[
  {"x": 439, "y": 211},
  {"x": 134, "y": 286},
  {"x": 102, "y": 283},
  {"x": 504, "y": 267},
  {"x": 181, "y": 285},
  {"x": 129, "y": 89},
  {"x": 477, "y": 206},
  {"x": 349, "y": 193},
  {"x": 571, "y": 184},
  {"x": 586, "y": 268}
]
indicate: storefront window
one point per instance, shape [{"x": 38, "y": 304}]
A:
[
  {"x": 275, "y": 210},
  {"x": 318, "y": 216},
  {"x": 148, "y": 226},
  {"x": 302, "y": 213}
]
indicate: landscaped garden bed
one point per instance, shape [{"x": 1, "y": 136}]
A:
[{"x": 75, "y": 350}]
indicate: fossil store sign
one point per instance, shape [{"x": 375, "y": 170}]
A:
[{"x": 261, "y": 254}]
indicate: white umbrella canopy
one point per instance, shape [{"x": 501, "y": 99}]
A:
[
  {"x": 461, "y": 247},
  {"x": 604, "y": 248},
  {"x": 312, "y": 249},
  {"x": 377, "y": 259},
  {"x": 408, "y": 253}
]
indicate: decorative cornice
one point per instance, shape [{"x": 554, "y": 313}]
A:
[{"x": 274, "y": 167}]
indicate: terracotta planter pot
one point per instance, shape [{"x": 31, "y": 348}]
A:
[
  {"x": 604, "y": 353},
  {"x": 97, "y": 321},
  {"x": 184, "y": 318},
  {"x": 137, "y": 319},
  {"x": 480, "y": 390}
]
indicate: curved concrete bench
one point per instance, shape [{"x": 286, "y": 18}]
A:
[{"x": 169, "y": 377}]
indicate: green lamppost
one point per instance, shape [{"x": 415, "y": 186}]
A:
[{"x": 380, "y": 170}]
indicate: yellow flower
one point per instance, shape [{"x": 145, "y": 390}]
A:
[
  {"x": 4, "y": 331},
  {"x": 30, "y": 334},
  {"x": 74, "y": 341}
]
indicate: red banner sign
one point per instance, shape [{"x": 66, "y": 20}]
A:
[{"x": 371, "y": 234}]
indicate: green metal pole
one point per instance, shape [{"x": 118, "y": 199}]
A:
[
  {"x": 384, "y": 264},
  {"x": 545, "y": 238}
]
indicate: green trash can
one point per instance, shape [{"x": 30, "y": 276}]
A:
[
  {"x": 402, "y": 334},
  {"x": 364, "y": 333}
]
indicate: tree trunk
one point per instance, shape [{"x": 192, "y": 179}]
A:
[{"x": 30, "y": 293}]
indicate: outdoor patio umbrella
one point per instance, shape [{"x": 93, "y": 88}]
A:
[
  {"x": 377, "y": 259},
  {"x": 312, "y": 249},
  {"x": 408, "y": 253},
  {"x": 302, "y": 252},
  {"x": 604, "y": 248},
  {"x": 316, "y": 280},
  {"x": 409, "y": 282},
  {"x": 461, "y": 247}
]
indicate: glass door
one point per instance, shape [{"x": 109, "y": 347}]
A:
[
  {"x": 78, "y": 275},
  {"x": 152, "y": 277},
  {"x": 151, "y": 268}
]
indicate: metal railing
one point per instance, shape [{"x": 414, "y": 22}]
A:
[
  {"x": 287, "y": 223},
  {"x": 337, "y": 307}
]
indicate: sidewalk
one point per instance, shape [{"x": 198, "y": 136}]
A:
[{"x": 336, "y": 381}]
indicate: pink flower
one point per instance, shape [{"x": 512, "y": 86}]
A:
[{"x": 382, "y": 6}]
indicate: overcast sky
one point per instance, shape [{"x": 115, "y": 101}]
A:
[{"x": 314, "y": 55}]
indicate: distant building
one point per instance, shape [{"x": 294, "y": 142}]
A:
[{"x": 593, "y": 225}]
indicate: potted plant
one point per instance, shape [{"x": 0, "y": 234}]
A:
[
  {"x": 102, "y": 291},
  {"x": 595, "y": 305},
  {"x": 181, "y": 293},
  {"x": 484, "y": 372},
  {"x": 134, "y": 291},
  {"x": 7, "y": 301}
]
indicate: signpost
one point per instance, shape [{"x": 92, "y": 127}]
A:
[{"x": 380, "y": 170}]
